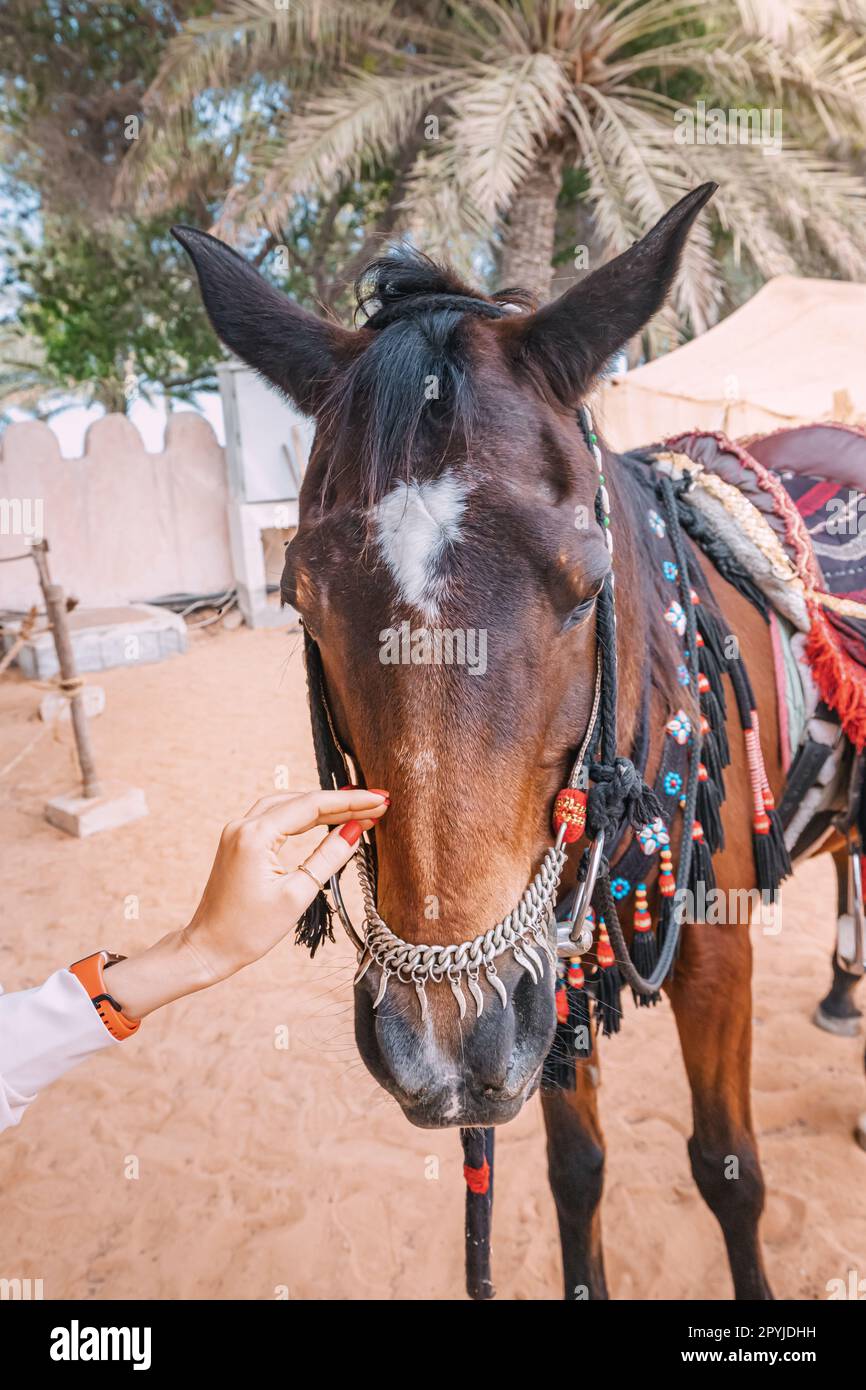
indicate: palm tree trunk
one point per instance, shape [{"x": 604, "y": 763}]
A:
[{"x": 527, "y": 251}]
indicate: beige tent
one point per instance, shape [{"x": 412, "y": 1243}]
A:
[{"x": 795, "y": 353}]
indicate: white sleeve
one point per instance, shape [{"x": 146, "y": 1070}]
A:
[{"x": 44, "y": 1032}]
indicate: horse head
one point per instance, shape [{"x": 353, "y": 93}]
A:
[{"x": 446, "y": 567}]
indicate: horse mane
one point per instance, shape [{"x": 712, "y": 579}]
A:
[{"x": 413, "y": 377}]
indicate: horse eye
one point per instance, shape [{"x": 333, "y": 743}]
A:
[{"x": 578, "y": 614}]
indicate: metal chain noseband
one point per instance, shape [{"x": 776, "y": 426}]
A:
[{"x": 526, "y": 928}]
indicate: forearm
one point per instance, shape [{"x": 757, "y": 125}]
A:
[{"x": 167, "y": 970}]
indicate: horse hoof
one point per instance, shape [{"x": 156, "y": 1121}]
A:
[
  {"x": 842, "y": 1027},
  {"x": 860, "y": 1131}
]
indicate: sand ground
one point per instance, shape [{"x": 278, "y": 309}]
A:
[{"x": 200, "y": 1160}]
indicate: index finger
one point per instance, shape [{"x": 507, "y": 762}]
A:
[{"x": 295, "y": 814}]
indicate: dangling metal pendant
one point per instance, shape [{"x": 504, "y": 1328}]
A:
[
  {"x": 525, "y": 961},
  {"x": 475, "y": 990},
  {"x": 364, "y": 966},
  {"x": 422, "y": 995},
  {"x": 383, "y": 985},
  {"x": 493, "y": 976},
  {"x": 454, "y": 982}
]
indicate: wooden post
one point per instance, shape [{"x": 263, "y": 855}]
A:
[{"x": 55, "y": 603}]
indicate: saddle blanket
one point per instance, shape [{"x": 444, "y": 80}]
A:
[{"x": 792, "y": 507}]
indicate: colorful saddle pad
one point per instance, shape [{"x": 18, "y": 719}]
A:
[{"x": 813, "y": 513}]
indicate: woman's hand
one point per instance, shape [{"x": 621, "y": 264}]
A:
[{"x": 251, "y": 900}]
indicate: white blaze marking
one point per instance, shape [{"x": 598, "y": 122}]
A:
[{"x": 414, "y": 525}]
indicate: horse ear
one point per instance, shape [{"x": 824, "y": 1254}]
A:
[
  {"x": 569, "y": 340},
  {"x": 294, "y": 349}
]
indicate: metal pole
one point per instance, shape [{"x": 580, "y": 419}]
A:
[{"x": 55, "y": 603}]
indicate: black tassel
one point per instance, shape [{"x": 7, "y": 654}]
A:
[
  {"x": 709, "y": 807},
  {"x": 701, "y": 869},
  {"x": 607, "y": 983},
  {"x": 315, "y": 925},
  {"x": 645, "y": 955},
  {"x": 712, "y": 761},
  {"x": 714, "y": 635},
  {"x": 709, "y": 666},
  {"x": 572, "y": 1039},
  {"x": 712, "y": 711},
  {"x": 772, "y": 861}
]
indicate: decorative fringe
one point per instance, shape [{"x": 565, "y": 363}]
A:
[
  {"x": 840, "y": 680},
  {"x": 316, "y": 925},
  {"x": 709, "y": 811},
  {"x": 573, "y": 1036},
  {"x": 712, "y": 712},
  {"x": 701, "y": 868},
  {"x": 712, "y": 761},
  {"x": 608, "y": 986},
  {"x": 645, "y": 956},
  {"x": 644, "y": 950},
  {"x": 714, "y": 635},
  {"x": 772, "y": 861}
]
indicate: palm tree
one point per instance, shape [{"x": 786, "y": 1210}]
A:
[{"x": 483, "y": 106}]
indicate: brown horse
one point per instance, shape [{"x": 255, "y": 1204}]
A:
[{"x": 451, "y": 490}]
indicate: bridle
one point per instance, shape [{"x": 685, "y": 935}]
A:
[{"x": 530, "y": 931}]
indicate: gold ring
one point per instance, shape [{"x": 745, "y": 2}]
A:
[{"x": 302, "y": 869}]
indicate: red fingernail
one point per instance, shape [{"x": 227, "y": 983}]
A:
[
  {"x": 351, "y": 831},
  {"x": 349, "y": 787},
  {"x": 379, "y": 791}
]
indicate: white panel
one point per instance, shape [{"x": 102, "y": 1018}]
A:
[{"x": 267, "y": 440}]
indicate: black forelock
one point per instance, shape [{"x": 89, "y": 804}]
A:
[{"x": 415, "y": 373}]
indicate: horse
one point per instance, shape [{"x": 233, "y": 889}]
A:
[{"x": 452, "y": 503}]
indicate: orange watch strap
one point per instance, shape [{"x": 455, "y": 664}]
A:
[{"x": 90, "y": 971}]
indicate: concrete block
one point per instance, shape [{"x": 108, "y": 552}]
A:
[
  {"x": 88, "y": 815},
  {"x": 104, "y": 637}
]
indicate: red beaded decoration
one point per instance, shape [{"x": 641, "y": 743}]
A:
[
  {"x": 604, "y": 950},
  {"x": 667, "y": 883},
  {"x": 569, "y": 810},
  {"x": 642, "y": 919},
  {"x": 575, "y": 974},
  {"x": 561, "y": 1003}
]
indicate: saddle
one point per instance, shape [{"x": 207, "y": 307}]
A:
[{"x": 792, "y": 507}]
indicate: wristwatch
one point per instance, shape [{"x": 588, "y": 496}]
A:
[{"x": 89, "y": 970}]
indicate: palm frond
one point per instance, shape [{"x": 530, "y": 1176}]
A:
[
  {"x": 364, "y": 118},
  {"x": 502, "y": 120},
  {"x": 245, "y": 36}
]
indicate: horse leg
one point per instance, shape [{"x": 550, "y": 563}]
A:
[
  {"x": 837, "y": 1012},
  {"x": 712, "y": 1001},
  {"x": 575, "y": 1164}
]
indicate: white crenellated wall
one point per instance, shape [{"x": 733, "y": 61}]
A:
[{"x": 122, "y": 524}]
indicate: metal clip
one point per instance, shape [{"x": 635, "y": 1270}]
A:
[
  {"x": 574, "y": 938},
  {"x": 348, "y": 926}
]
